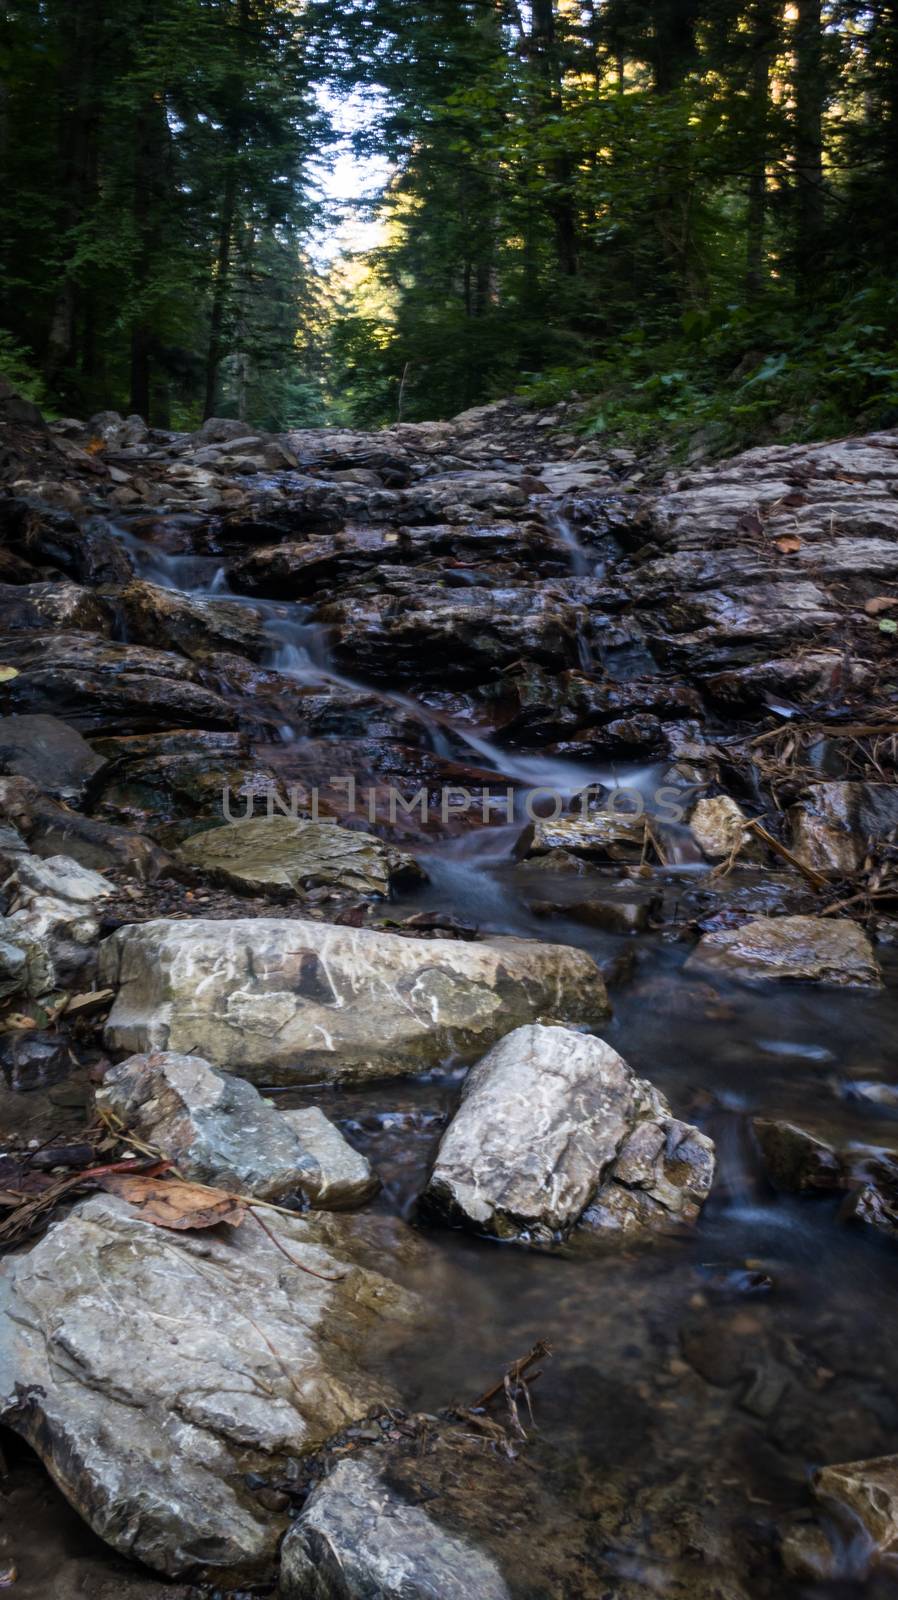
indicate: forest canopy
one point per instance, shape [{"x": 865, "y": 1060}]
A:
[{"x": 683, "y": 211}]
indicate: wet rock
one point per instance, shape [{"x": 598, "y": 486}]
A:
[
  {"x": 434, "y": 1512},
  {"x": 294, "y": 571},
  {"x": 874, "y": 1202},
  {"x": 722, "y": 628},
  {"x": 865, "y": 1494},
  {"x": 599, "y": 834},
  {"x": 183, "y": 777},
  {"x": 296, "y": 1001},
  {"x": 624, "y": 913},
  {"x": 287, "y": 853},
  {"x": 834, "y": 826},
  {"x": 452, "y": 635},
  {"x": 53, "y": 829},
  {"x": 155, "y": 1373},
  {"x": 359, "y": 1536},
  {"x": 554, "y": 1126},
  {"x": 100, "y": 686},
  {"x": 828, "y": 950},
  {"x": 343, "y": 1178},
  {"x": 84, "y": 550},
  {"x": 30, "y": 607},
  {"x": 49, "y": 752},
  {"x": 195, "y": 626},
  {"x": 718, "y": 827},
  {"x": 809, "y": 674},
  {"x": 794, "y": 1159},
  {"x": 216, "y": 1128}
]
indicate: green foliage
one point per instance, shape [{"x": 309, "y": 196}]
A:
[
  {"x": 740, "y": 375},
  {"x": 17, "y": 367}
]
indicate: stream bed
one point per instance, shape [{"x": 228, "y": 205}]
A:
[{"x": 695, "y": 1381}]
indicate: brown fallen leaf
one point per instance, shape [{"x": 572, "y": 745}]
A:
[
  {"x": 788, "y": 544},
  {"x": 172, "y": 1203},
  {"x": 880, "y": 603}
]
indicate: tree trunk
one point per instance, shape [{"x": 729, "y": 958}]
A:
[
  {"x": 220, "y": 290},
  {"x": 78, "y": 131},
  {"x": 561, "y": 170},
  {"x": 764, "y": 39},
  {"x": 810, "y": 99},
  {"x": 674, "y": 50},
  {"x": 232, "y": 143}
]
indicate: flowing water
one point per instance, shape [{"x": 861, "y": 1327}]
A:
[{"x": 727, "y": 1364}]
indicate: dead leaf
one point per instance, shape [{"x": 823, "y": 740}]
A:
[
  {"x": 95, "y": 447},
  {"x": 172, "y": 1203},
  {"x": 788, "y": 544},
  {"x": 6, "y": 673},
  {"x": 880, "y": 603}
]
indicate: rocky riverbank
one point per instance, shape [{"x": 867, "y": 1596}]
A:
[{"x": 334, "y": 765}]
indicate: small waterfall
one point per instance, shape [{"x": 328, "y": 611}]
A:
[{"x": 582, "y": 564}]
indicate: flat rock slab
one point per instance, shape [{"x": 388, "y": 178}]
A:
[
  {"x": 554, "y": 1125},
  {"x": 828, "y": 950},
  {"x": 295, "y": 1001},
  {"x": 276, "y": 853},
  {"x": 153, "y": 1371}
]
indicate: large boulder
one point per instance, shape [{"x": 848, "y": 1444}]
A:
[
  {"x": 554, "y": 1125},
  {"x": 290, "y": 853},
  {"x": 166, "y": 1379},
  {"x": 828, "y": 950},
  {"x": 296, "y": 1001}
]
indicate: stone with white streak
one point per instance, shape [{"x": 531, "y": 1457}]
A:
[
  {"x": 555, "y": 1127},
  {"x": 296, "y": 1001}
]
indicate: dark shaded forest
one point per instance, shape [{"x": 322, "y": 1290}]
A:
[{"x": 682, "y": 212}]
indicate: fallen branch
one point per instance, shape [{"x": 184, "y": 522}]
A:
[
  {"x": 515, "y": 1374},
  {"x": 815, "y": 879}
]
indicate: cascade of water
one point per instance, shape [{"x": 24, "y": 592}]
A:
[{"x": 297, "y": 647}]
